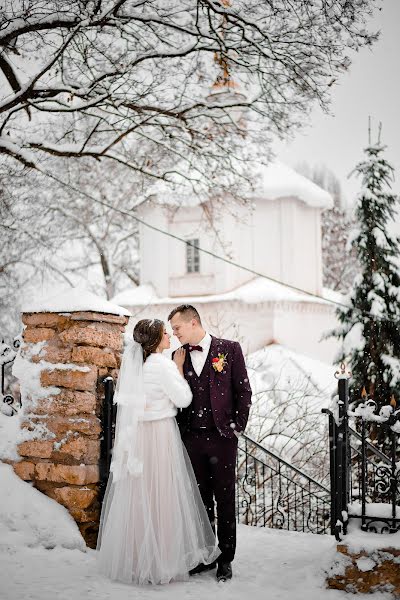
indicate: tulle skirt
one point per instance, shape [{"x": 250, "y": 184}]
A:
[{"x": 154, "y": 527}]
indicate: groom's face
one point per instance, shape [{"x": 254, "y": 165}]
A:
[{"x": 182, "y": 328}]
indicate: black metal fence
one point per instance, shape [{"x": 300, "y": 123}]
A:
[
  {"x": 10, "y": 403},
  {"x": 365, "y": 478},
  {"x": 270, "y": 492},
  {"x": 108, "y": 415},
  {"x": 273, "y": 493}
]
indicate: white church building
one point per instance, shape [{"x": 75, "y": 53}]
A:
[{"x": 276, "y": 237}]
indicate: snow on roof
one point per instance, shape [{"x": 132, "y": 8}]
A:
[
  {"x": 272, "y": 182},
  {"x": 256, "y": 290},
  {"x": 75, "y": 300},
  {"x": 277, "y": 180}
]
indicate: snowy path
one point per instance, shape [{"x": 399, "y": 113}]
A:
[
  {"x": 42, "y": 558},
  {"x": 270, "y": 565}
]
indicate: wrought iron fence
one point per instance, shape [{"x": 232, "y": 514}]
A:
[
  {"x": 270, "y": 492},
  {"x": 365, "y": 479},
  {"x": 10, "y": 404},
  {"x": 108, "y": 415}
]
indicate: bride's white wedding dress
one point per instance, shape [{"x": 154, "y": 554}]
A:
[{"x": 154, "y": 527}]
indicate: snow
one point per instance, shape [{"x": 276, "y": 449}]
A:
[
  {"x": 358, "y": 540},
  {"x": 42, "y": 553},
  {"x": 15, "y": 149},
  {"x": 31, "y": 520},
  {"x": 271, "y": 182},
  {"x": 257, "y": 290},
  {"x": 276, "y": 361},
  {"x": 75, "y": 299},
  {"x": 9, "y": 434},
  {"x": 28, "y": 374},
  {"x": 142, "y": 294},
  {"x": 378, "y": 305},
  {"x": 289, "y": 391},
  {"x": 280, "y": 565},
  {"x": 277, "y": 180},
  {"x": 365, "y": 564},
  {"x": 354, "y": 340},
  {"x": 394, "y": 365}
]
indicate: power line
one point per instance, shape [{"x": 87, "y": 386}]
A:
[
  {"x": 204, "y": 251},
  {"x": 180, "y": 239}
]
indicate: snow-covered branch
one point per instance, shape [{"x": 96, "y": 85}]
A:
[{"x": 183, "y": 76}]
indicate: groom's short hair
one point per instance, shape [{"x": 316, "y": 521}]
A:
[{"x": 187, "y": 311}]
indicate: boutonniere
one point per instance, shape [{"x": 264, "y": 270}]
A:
[{"x": 219, "y": 363}]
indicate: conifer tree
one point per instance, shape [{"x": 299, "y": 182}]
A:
[{"x": 370, "y": 326}]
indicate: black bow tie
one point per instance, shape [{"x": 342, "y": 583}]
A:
[{"x": 199, "y": 348}]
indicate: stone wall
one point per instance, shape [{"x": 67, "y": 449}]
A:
[{"x": 74, "y": 352}]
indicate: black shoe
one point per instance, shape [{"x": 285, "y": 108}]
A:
[
  {"x": 202, "y": 567},
  {"x": 224, "y": 571}
]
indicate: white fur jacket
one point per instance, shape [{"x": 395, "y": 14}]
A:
[{"x": 165, "y": 388}]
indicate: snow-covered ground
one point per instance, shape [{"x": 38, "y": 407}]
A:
[{"x": 42, "y": 557}]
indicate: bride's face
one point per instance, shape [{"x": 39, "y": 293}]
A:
[{"x": 165, "y": 342}]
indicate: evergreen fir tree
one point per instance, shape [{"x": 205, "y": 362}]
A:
[{"x": 370, "y": 327}]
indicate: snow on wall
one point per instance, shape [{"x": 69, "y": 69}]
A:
[
  {"x": 28, "y": 374},
  {"x": 75, "y": 300}
]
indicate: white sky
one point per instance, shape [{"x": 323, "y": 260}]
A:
[{"x": 370, "y": 88}]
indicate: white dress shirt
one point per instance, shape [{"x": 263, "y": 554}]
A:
[{"x": 199, "y": 358}]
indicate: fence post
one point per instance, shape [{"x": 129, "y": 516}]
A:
[
  {"x": 107, "y": 437},
  {"x": 342, "y": 484},
  {"x": 339, "y": 454},
  {"x": 332, "y": 465}
]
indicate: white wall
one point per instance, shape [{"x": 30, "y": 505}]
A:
[
  {"x": 154, "y": 250},
  {"x": 279, "y": 238},
  {"x": 294, "y": 325}
]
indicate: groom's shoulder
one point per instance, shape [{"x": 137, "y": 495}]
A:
[{"x": 223, "y": 343}]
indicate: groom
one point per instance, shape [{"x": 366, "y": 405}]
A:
[{"x": 210, "y": 426}]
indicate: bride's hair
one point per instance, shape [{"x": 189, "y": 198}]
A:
[{"x": 148, "y": 333}]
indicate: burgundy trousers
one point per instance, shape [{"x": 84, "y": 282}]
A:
[{"x": 214, "y": 463}]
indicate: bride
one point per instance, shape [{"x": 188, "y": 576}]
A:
[{"x": 153, "y": 525}]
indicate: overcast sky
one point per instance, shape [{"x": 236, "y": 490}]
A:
[{"x": 371, "y": 87}]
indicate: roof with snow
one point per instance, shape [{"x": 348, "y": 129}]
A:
[
  {"x": 277, "y": 180},
  {"x": 75, "y": 300},
  {"x": 258, "y": 289},
  {"x": 272, "y": 182}
]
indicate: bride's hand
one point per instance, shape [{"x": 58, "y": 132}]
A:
[{"x": 179, "y": 358}]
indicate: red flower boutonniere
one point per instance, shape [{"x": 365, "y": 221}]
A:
[{"x": 219, "y": 363}]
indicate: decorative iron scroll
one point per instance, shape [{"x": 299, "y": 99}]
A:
[
  {"x": 273, "y": 493},
  {"x": 10, "y": 405},
  {"x": 365, "y": 467}
]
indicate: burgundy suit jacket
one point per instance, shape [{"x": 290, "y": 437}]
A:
[{"x": 230, "y": 390}]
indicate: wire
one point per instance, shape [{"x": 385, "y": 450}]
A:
[
  {"x": 204, "y": 251},
  {"x": 176, "y": 237}
]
